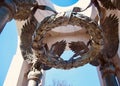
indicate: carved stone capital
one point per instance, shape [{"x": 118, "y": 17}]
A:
[{"x": 34, "y": 75}]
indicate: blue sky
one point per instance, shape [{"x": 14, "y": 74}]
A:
[
  {"x": 8, "y": 44},
  {"x": 64, "y": 3},
  {"x": 82, "y": 76}
]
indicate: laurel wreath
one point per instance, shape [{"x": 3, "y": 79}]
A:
[{"x": 78, "y": 19}]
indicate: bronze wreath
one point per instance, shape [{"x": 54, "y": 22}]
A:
[{"x": 53, "y": 21}]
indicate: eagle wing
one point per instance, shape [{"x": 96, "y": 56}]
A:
[
  {"x": 26, "y": 37},
  {"x": 111, "y": 38},
  {"x": 116, "y": 4},
  {"x": 44, "y": 7},
  {"x": 108, "y": 4},
  {"x": 58, "y": 48},
  {"x": 76, "y": 47}
]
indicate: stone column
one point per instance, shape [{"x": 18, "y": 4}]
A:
[
  {"x": 34, "y": 78},
  {"x": 35, "y": 75},
  {"x": 116, "y": 61},
  {"x": 110, "y": 80},
  {"x": 118, "y": 74},
  {"x": 7, "y": 10},
  {"x": 4, "y": 17},
  {"x": 108, "y": 75}
]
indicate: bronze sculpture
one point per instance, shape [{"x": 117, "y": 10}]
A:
[
  {"x": 49, "y": 19},
  {"x": 103, "y": 32},
  {"x": 19, "y": 10},
  {"x": 79, "y": 20}
]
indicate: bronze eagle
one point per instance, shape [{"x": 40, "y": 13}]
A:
[
  {"x": 79, "y": 48},
  {"x": 111, "y": 38},
  {"x": 57, "y": 49},
  {"x": 110, "y": 4}
]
